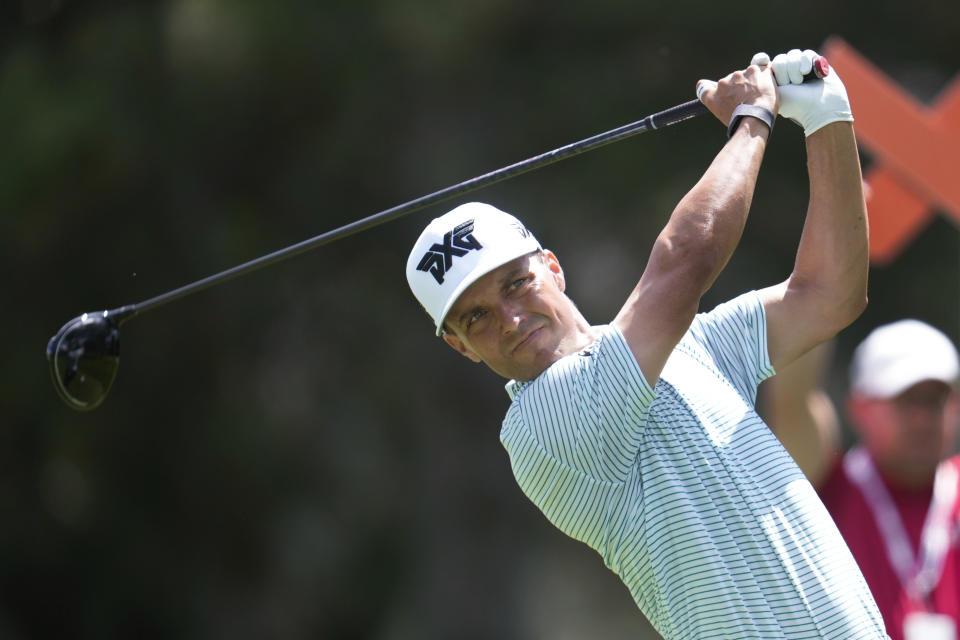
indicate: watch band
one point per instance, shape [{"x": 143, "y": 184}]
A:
[{"x": 760, "y": 113}]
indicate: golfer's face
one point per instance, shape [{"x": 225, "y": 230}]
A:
[{"x": 515, "y": 319}]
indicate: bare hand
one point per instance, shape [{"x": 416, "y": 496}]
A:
[{"x": 754, "y": 85}]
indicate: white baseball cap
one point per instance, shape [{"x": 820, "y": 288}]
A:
[
  {"x": 896, "y": 356},
  {"x": 458, "y": 248}
]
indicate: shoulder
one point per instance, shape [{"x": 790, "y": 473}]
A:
[
  {"x": 608, "y": 353},
  {"x": 602, "y": 371},
  {"x": 569, "y": 416},
  {"x": 601, "y": 380}
]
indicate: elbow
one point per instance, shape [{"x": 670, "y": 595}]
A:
[
  {"x": 846, "y": 311},
  {"x": 855, "y": 302},
  {"x": 834, "y": 307},
  {"x": 858, "y": 306},
  {"x": 862, "y": 302}
]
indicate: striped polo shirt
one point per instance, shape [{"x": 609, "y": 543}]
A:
[{"x": 683, "y": 490}]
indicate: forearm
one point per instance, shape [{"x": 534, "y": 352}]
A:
[
  {"x": 833, "y": 256},
  {"x": 827, "y": 289},
  {"x": 707, "y": 224}
]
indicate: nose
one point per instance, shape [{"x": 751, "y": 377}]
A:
[{"x": 509, "y": 316}]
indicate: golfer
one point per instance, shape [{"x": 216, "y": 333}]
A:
[{"x": 639, "y": 438}]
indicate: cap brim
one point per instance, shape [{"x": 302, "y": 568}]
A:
[{"x": 906, "y": 375}]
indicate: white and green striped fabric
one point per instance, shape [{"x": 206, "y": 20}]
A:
[{"x": 684, "y": 491}]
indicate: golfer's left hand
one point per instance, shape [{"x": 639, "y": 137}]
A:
[{"x": 812, "y": 105}]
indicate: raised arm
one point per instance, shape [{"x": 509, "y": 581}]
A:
[
  {"x": 827, "y": 289},
  {"x": 703, "y": 230}
]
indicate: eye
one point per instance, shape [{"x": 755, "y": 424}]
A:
[
  {"x": 475, "y": 317},
  {"x": 518, "y": 283}
]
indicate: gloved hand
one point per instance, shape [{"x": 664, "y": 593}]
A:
[{"x": 812, "y": 105}]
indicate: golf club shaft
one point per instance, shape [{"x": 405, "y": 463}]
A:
[{"x": 655, "y": 121}]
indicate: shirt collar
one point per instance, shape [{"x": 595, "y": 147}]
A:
[{"x": 514, "y": 387}]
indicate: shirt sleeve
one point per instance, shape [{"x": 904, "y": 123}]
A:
[
  {"x": 587, "y": 411},
  {"x": 734, "y": 338}
]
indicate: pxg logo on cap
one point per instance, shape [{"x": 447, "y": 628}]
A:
[
  {"x": 456, "y": 243},
  {"x": 458, "y": 248}
]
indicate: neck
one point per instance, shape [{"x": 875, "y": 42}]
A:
[{"x": 580, "y": 337}]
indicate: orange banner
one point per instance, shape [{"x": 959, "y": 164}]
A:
[{"x": 916, "y": 150}]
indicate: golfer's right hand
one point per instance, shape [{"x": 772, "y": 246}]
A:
[
  {"x": 754, "y": 85},
  {"x": 812, "y": 105}
]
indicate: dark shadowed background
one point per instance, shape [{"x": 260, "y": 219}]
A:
[{"x": 294, "y": 454}]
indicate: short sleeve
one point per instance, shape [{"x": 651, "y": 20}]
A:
[
  {"x": 587, "y": 411},
  {"x": 734, "y": 337}
]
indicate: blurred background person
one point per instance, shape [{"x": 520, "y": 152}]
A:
[{"x": 893, "y": 494}]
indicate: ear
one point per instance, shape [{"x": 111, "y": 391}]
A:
[
  {"x": 460, "y": 347},
  {"x": 553, "y": 266}
]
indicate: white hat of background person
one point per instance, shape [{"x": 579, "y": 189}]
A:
[
  {"x": 458, "y": 248},
  {"x": 896, "y": 356}
]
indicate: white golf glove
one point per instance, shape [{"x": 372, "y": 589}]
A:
[{"x": 812, "y": 105}]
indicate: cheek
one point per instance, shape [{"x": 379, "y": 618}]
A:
[
  {"x": 951, "y": 415},
  {"x": 554, "y": 302},
  {"x": 951, "y": 409},
  {"x": 883, "y": 432}
]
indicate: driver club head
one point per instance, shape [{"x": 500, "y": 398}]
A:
[{"x": 84, "y": 356}]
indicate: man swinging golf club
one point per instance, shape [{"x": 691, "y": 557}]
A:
[{"x": 639, "y": 438}]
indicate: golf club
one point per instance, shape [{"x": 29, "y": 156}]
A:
[{"x": 84, "y": 354}]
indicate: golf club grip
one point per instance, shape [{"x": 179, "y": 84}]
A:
[
  {"x": 820, "y": 69},
  {"x": 677, "y": 114}
]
